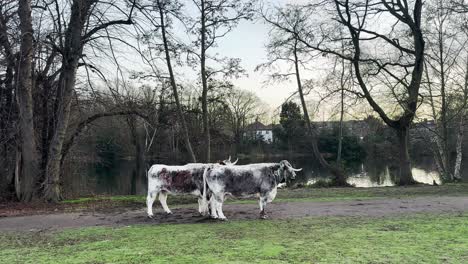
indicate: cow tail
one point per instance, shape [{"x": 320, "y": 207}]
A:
[{"x": 204, "y": 197}]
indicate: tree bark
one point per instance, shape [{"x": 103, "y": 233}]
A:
[
  {"x": 443, "y": 143},
  {"x": 340, "y": 132},
  {"x": 406, "y": 176},
  {"x": 175, "y": 92},
  {"x": 29, "y": 154},
  {"x": 72, "y": 51},
  {"x": 458, "y": 159},
  {"x": 137, "y": 140},
  {"x": 461, "y": 128},
  {"x": 206, "y": 127}
]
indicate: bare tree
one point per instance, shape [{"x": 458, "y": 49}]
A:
[
  {"x": 243, "y": 108},
  {"x": 162, "y": 12},
  {"x": 215, "y": 20},
  {"x": 461, "y": 128},
  {"x": 444, "y": 77},
  {"x": 78, "y": 33},
  {"x": 402, "y": 72},
  {"x": 289, "y": 48},
  {"x": 29, "y": 155}
]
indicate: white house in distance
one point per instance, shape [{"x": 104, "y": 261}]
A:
[{"x": 259, "y": 130}]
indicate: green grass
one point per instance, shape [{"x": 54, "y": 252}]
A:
[
  {"x": 302, "y": 194},
  {"x": 402, "y": 239}
]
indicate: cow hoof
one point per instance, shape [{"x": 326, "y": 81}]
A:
[
  {"x": 168, "y": 213},
  {"x": 150, "y": 216},
  {"x": 223, "y": 219},
  {"x": 204, "y": 214},
  {"x": 263, "y": 217}
]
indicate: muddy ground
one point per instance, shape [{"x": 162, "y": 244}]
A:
[{"x": 278, "y": 210}]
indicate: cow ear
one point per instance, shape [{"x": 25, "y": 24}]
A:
[{"x": 276, "y": 167}]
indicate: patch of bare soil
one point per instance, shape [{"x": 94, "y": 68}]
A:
[
  {"x": 372, "y": 208},
  {"x": 10, "y": 209}
]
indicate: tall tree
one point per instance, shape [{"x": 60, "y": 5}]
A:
[
  {"x": 163, "y": 11},
  {"x": 286, "y": 46},
  {"x": 444, "y": 77},
  {"x": 29, "y": 169},
  {"x": 445, "y": 52},
  {"x": 400, "y": 73},
  {"x": 78, "y": 33},
  {"x": 215, "y": 19}
]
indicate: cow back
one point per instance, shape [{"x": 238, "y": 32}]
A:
[
  {"x": 243, "y": 180},
  {"x": 179, "y": 179}
]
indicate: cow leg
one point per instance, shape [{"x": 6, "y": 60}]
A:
[
  {"x": 202, "y": 206},
  {"x": 213, "y": 206},
  {"x": 219, "y": 206},
  {"x": 162, "y": 200},
  {"x": 268, "y": 197},
  {"x": 271, "y": 195},
  {"x": 149, "y": 203},
  {"x": 262, "y": 203}
]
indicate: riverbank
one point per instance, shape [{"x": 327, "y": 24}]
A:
[{"x": 119, "y": 203}]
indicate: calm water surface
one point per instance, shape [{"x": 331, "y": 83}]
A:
[{"x": 120, "y": 178}]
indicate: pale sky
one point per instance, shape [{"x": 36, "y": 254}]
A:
[{"x": 247, "y": 42}]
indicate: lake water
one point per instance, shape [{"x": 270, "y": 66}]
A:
[{"x": 120, "y": 178}]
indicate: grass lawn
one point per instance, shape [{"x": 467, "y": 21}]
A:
[
  {"x": 402, "y": 239},
  {"x": 291, "y": 195}
]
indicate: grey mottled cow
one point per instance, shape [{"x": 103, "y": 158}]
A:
[
  {"x": 184, "y": 179},
  {"x": 246, "y": 180}
]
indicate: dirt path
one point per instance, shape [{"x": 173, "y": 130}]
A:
[{"x": 381, "y": 207}]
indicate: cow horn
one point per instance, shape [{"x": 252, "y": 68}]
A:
[
  {"x": 296, "y": 169},
  {"x": 234, "y": 163},
  {"x": 229, "y": 158}
]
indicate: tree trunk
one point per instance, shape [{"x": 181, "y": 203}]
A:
[
  {"x": 72, "y": 51},
  {"x": 237, "y": 141},
  {"x": 180, "y": 114},
  {"x": 461, "y": 128},
  {"x": 7, "y": 107},
  {"x": 340, "y": 177},
  {"x": 434, "y": 137},
  {"x": 458, "y": 160},
  {"x": 405, "y": 174},
  {"x": 443, "y": 111},
  {"x": 340, "y": 133},
  {"x": 52, "y": 191},
  {"x": 206, "y": 127},
  {"x": 137, "y": 140},
  {"x": 412, "y": 90},
  {"x": 29, "y": 155}
]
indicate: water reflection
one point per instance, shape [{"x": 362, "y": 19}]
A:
[
  {"x": 385, "y": 178},
  {"x": 363, "y": 179},
  {"x": 121, "y": 178},
  {"x": 427, "y": 177},
  {"x": 370, "y": 173}
]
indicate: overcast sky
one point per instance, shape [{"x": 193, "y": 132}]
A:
[{"x": 247, "y": 42}]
